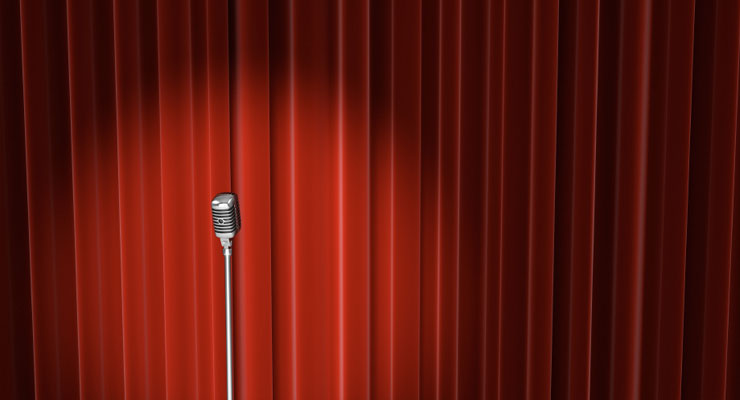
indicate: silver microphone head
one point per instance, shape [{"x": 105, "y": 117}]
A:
[{"x": 226, "y": 218}]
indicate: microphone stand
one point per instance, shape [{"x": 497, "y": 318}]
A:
[
  {"x": 226, "y": 243},
  {"x": 226, "y": 223}
]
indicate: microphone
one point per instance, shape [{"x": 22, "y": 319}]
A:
[
  {"x": 226, "y": 217},
  {"x": 226, "y": 224}
]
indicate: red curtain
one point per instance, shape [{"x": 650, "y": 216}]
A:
[{"x": 440, "y": 198}]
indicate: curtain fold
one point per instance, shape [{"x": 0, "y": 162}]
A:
[
  {"x": 139, "y": 201},
  {"x": 440, "y": 198}
]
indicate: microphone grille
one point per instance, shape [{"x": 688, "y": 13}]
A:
[{"x": 225, "y": 213}]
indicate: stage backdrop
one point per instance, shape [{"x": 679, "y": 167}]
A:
[{"x": 440, "y": 199}]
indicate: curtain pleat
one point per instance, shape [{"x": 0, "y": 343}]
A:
[
  {"x": 250, "y": 88},
  {"x": 16, "y": 350},
  {"x": 95, "y": 195},
  {"x": 49, "y": 189},
  {"x": 440, "y": 198},
  {"x": 709, "y": 237},
  {"x": 139, "y": 201},
  {"x": 574, "y": 199}
]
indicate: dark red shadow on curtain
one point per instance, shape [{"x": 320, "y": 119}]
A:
[{"x": 440, "y": 198}]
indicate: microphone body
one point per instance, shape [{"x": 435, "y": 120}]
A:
[
  {"x": 226, "y": 224},
  {"x": 226, "y": 217}
]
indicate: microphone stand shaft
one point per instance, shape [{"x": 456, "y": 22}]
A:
[{"x": 229, "y": 347}]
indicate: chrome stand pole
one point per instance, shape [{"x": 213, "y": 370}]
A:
[{"x": 229, "y": 347}]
